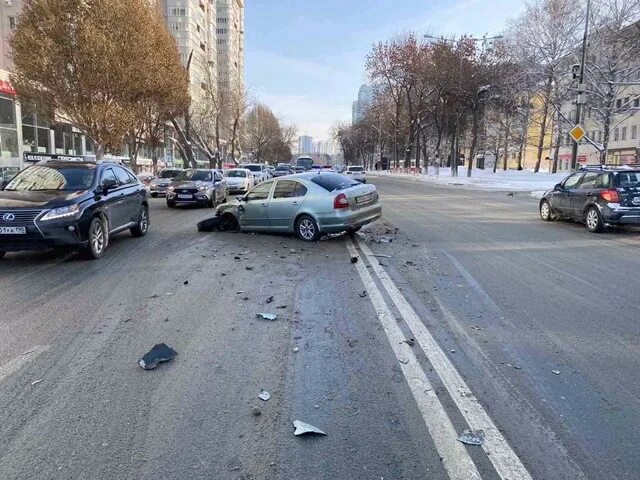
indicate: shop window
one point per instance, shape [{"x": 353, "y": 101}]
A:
[{"x": 7, "y": 113}]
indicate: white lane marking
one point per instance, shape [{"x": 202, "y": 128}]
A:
[
  {"x": 16, "y": 363},
  {"x": 502, "y": 456},
  {"x": 455, "y": 458}
]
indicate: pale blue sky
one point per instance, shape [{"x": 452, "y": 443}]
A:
[{"x": 305, "y": 58}]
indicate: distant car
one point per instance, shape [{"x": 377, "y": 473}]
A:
[
  {"x": 327, "y": 168},
  {"x": 258, "y": 170},
  {"x": 599, "y": 197},
  {"x": 298, "y": 169},
  {"x": 270, "y": 171},
  {"x": 159, "y": 185},
  {"x": 357, "y": 172},
  {"x": 197, "y": 187},
  {"x": 72, "y": 205},
  {"x": 239, "y": 180},
  {"x": 315, "y": 168},
  {"x": 284, "y": 169},
  {"x": 307, "y": 204}
]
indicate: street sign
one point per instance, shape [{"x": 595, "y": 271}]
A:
[{"x": 577, "y": 133}]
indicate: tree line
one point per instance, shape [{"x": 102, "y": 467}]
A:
[
  {"x": 112, "y": 69},
  {"x": 439, "y": 99}
]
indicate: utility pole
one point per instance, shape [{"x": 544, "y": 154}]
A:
[{"x": 581, "y": 87}]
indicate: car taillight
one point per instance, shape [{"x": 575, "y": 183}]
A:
[
  {"x": 341, "y": 201},
  {"x": 611, "y": 196}
]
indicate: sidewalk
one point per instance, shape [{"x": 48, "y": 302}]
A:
[{"x": 510, "y": 180}]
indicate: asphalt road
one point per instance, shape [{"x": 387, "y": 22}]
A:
[{"x": 474, "y": 281}]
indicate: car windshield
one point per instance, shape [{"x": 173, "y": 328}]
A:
[
  {"x": 235, "y": 174},
  {"x": 253, "y": 168},
  {"x": 41, "y": 178},
  {"x": 194, "y": 176},
  {"x": 168, "y": 173},
  {"x": 333, "y": 181},
  {"x": 629, "y": 179},
  {"x": 283, "y": 167},
  {"x": 356, "y": 169}
]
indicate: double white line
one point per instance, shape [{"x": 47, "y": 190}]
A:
[{"x": 455, "y": 457}]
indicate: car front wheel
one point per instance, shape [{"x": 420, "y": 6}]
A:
[
  {"x": 593, "y": 220},
  {"x": 97, "y": 239},
  {"x": 307, "y": 229},
  {"x": 141, "y": 229},
  {"x": 545, "y": 211}
]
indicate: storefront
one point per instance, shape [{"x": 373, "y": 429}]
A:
[{"x": 9, "y": 138}]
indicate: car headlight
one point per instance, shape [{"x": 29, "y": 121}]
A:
[
  {"x": 202, "y": 188},
  {"x": 70, "y": 212},
  {"x": 170, "y": 189}
]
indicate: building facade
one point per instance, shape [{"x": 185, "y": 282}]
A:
[
  {"x": 366, "y": 95},
  {"x": 305, "y": 145},
  {"x": 229, "y": 34}
]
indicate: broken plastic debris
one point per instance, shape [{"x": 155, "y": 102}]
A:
[
  {"x": 410, "y": 341},
  {"x": 379, "y": 255},
  {"x": 35, "y": 382},
  {"x": 471, "y": 437},
  {"x": 264, "y": 395},
  {"x": 363, "y": 294},
  {"x": 267, "y": 316},
  {"x": 302, "y": 428},
  {"x": 354, "y": 259},
  {"x": 557, "y": 372},
  {"x": 186, "y": 282},
  {"x": 158, "y": 354},
  {"x": 404, "y": 361},
  {"x": 270, "y": 299},
  {"x": 296, "y": 349}
]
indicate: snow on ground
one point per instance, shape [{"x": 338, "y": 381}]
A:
[{"x": 510, "y": 180}]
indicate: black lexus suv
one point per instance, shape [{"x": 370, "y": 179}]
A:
[
  {"x": 600, "y": 196},
  {"x": 73, "y": 205}
]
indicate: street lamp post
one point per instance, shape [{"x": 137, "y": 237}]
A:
[{"x": 581, "y": 87}]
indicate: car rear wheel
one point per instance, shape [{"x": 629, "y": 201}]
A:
[
  {"x": 141, "y": 229},
  {"x": 593, "y": 220},
  {"x": 97, "y": 239},
  {"x": 307, "y": 228},
  {"x": 545, "y": 211}
]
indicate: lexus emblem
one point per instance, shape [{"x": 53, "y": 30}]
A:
[{"x": 8, "y": 217}]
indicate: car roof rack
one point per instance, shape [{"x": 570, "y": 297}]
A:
[{"x": 611, "y": 166}]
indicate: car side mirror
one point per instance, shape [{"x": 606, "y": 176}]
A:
[
  {"x": 108, "y": 184},
  {"x": 558, "y": 187}
]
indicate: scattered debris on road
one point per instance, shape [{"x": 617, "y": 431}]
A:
[
  {"x": 379, "y": 255},
  {"x": 363, "y": 294},
  {"x": 557, "y": 372},
  {"x": 475, "y": 327},
  {"x": 264, "y": 395},
  {"x": 158, "y": 354},
  {"x": 410, "y": 341},
  {"x": 404, "y": 361},
  {"x": 186, "y": 282},
  {"x": 282, "y": 307},
  {"x": 471, "y": 437},
  {"x": 270, "y": 299},
  {"x": 302, "y": 428},
  {"x": 409, "y": 262},
  {"x": 296, "y": 349},
  {"x": 35, "y": 382},
  {"x": 248, "y": 268},
  {"x": 354, "y": 259},
  {"x": 211, "y": 224},
  {"x": 267, "y": 316},
  {"x": 256, "y": 412}
]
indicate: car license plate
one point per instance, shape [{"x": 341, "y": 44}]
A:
[
  {"x": 185, "y": 197},
  {"x": 364, "y": 199},
  {"x": 13, "y": 230}
]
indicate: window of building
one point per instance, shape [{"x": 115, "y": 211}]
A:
[
  {"x": 624, "y": 133},
  {"x": 567, "y": 139},
  {"x": 619, "y": 103},
  {"x": 634, "y": 132},
  {"x": 177, "y": 11},
  {"x": 626, "y": 101},
  {"x": 35, "y": 130},
  {"x": 599, "y": 136},
  {"x": 222, "y": 41},
  {"x": 221, "y": 31},
  {"x": 616, "y": 134},
  {"x": 222, "y": 20},
  {"x": 12, "y": 22},
  {"x": 203, "y": 47},
  {"x": 636, "y": 102}
]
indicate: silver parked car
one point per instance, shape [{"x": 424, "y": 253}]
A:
[
  {"x": 159, "y": 185},
  {"x": 197, "y": 186},
  {"x": 239, "y": 180},
  {"x": 307, "y": 204}
]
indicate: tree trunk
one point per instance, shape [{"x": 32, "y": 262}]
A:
[
  {"x": 474, "y": 143},
  {"x": 186, "y": 144},
  {"x": 556, "y": 150},
  {"x": 543, "y": 123}
]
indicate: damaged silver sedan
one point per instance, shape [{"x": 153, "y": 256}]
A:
[{"x": 308, "y": 204}]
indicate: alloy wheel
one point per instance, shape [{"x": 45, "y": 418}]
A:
[
  {"x": 144, "y": 220},
  {"x": 307, "y": 229},
  {"x": 545, "y": 211},
  {"x": 97, "y": 237},
  {"x": 592, "y": 220}
]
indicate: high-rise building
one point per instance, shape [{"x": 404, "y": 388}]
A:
[
  {"x": 229, "y": 33},
  {"x": 366, "y": 96},
  {"x": 9, "y": 11},
  {"x": 192, "y": 23},
  {"x": 305, "y": 145}
]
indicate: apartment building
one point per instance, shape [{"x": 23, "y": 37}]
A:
[{"x": 229, "y": 33}]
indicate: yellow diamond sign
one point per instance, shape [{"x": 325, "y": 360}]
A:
[{"x": 577, "y": 133}]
